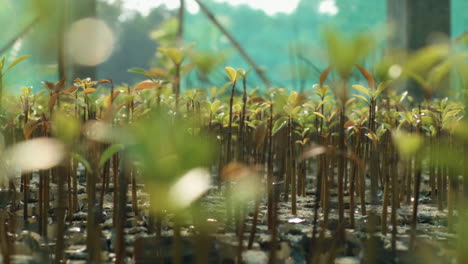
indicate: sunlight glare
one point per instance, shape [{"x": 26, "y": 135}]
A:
[
  {"x": 269, "y": 7},
  {"x": 328, "y": 7},
  {"x": 190, "y": 187}
]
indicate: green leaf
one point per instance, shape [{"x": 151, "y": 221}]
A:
[
  {"x": 427, "y": 120},
  {"x": 292, "y": 98},
  {"x": 81, "y": 160},
  {"x": 222, "y": 90},
  {"x": 26, "y": 90},
  {"x": 350, "y": 100},
  {"x": 215, "y": 106},
  {"x": 332, "y": 115},
  {"x": 406, "y": 143},
  {"x": 279, "y": 124},
  {"x": 424, "y": 59},
  {"x": 108, "y": 153},
  {"x": 16, "y": 61},
  {"x": 451, "y": 113},
  {"x": 361, "y": 89},
  {"x": 442, "y": 70},
  {"x": 321, "y": 90},
  {"x": 403, "y": 96},
  {"x": 319, "y": 114},
  {"x": 419, "y": 79},
  {"x": 344, "y": 53},
  {"x": 382, "y": 86},
  {"x": 296, "y": 110},
  {"x": 325, "y": 99},
  {"x": 252, "y": 93},
  {"x": 288, "y": 109},
  {"x": 362, "y": 98},
  {"x": 381, "y": 130},
  {"x": 174, "y": 54},
  {"x": 231, "y": 73},
  {"x": 332, "y": 124},
  {"x": 250, "y": 124},
  {"x": 372, "y": 136},
  {"x": 66, "y": 128},
  {"x": 241, "y": 73},
  {"x": 139, "y": 71},
  {"x": 2, "y": 63}
]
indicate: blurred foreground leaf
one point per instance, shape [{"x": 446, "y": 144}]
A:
[
  {"x": 30, "y": 155},
  {"x": 167, "y": 149},
  {"x": 406, "y": 143}
]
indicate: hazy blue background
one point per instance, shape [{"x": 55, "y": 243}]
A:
[{"x": 268, "y": 38}]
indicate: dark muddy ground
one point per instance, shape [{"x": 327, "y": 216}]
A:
[{"x": 434, "y": 243}]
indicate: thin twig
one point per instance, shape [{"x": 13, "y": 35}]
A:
[{"x": 234, "y": 42}]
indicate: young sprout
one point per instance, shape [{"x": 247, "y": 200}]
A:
[{"x": 177, "y": 57}]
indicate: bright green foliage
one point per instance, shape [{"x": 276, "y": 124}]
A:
[
  {"x": 66, "y": 128},
  {"x": 165, "y": 148},
  {"x": 231, "y": 74}
]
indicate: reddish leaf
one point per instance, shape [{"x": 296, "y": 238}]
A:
[
  {"x": 234, "y": 171},
  {"x": 103, "y": 81},
  {"x": 349, "y": 124},
  {"x": 29, "y": 128},
  {"x": 368, "y": 75},
  {"x": 256, "y": 100},
  {"x": 60, "y": 85},
  {"x": 158, "y": 72},
  {"x": 144, "y": 85},
  {"x": 110, "y": 112},
  {"x": 313, "y": 152},
  {"x": 89, "y": 90},
  {"x": 111, "y": 99},
  {"x": 49, "y": 85},
  {"x": 324, "y": 75},
  {"x": 71, "y": 89}
]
